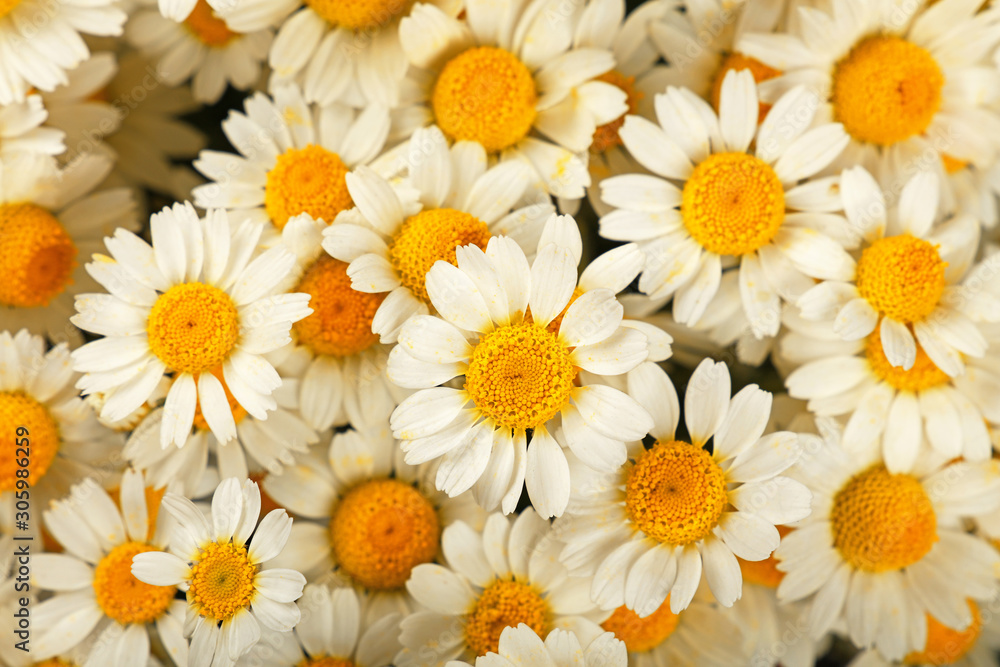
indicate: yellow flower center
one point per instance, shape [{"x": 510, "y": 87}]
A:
[
  {"x": 505, "y": 603},
  {"x": 430, "y": 236},
  {"x": 733, "y": 203},
  {"x": 485, "y": 95},
  {"x": 381, "y": 530},
  {"x": 520, "y": 376},
  {"x": 307, "y": 180},
  {"x": 923, "y": 375},
  {"x": 123, "y": 597},
  {"x": 222, "y": 581},
  {"x": 239, "y": 412},
  {"x": 738, "y": 62},
  {"x": 153, "y": 498},
  {"x": 7, "y": 6},
  {"x": 952, "y": 165},
  {"x": 325, "y": 661},
  {"x": 606, "y": 136},
  {"x": 360, "y": 14},
  {"x": 946, "y": 646},
  {"x": 883, "y": 521},
  {"x": 675, "y": 493},
  {"x": 18, "y": 409},
  {"x": 193, "y": 327},
  {"x": 764, "y": 572},
  {"x": 37, "y": 256},
  {"x": 901, "y": 277},
  {"x": 54, "y": 662},
  {"x": 208, "y": 28},
  {"x": 341, "y": 322},
  {"x": 642, "y": 634},
  {"x": 886, "y": 90}
]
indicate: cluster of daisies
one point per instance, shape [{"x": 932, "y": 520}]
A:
[{"x": 398, "y": 379}]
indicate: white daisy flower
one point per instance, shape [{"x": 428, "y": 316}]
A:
[
  {"x": 450, "y": 198},
  {"x": 501, "y": 577},
  {"x": 711, "y": 205},
  {"x": 522, "y": 647},
  {"x": 881, "y": 551},
  {"x": 190, "y": 304},
  {"x": 96, "y": 595},
  {"x": 50, "y": 219},
  {"x": 40, "y": 41},
  {"x": 906, "y": 279},
  {"x": 21, "y": 129},
  {"x": 378, "y": 518},
  {"x": 293, "y": 159},
  {"x": 227, "y": 581},
  {"x": 505, "y": 73},
  {"x": 505, "y": 327},
  {"x": 649, "y": 529}
]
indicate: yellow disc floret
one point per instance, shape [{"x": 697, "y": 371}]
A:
[
  {"x": 53, "y": 662},
  {"x": 18, "y": 409},
  {"x": 504, "y": 604},
  {"x": 326, "y": 661},
  {"x": 7, "y": 6},
  {"x": 886, "y": 90},
  {"x": 733, "y": 203},
  {"x": 37, "y": 256},
  {"x": 193, "y": 327},
  {"x": 901, "y": 277},
  {"x": 883, "y": 521},
  {"x": 430, "y": 236},
  {"x": 123, "y": 597},
  {"x": 222, "y": 581},
  {"x": 924, "y": 374},
  {"x": 365, "y": 15},
  {"x": 675, "y": 493},
  {"x": 606, "y": 136},
  {"x": 738, "y": 62},
  {"x": 485, "y": 95},
  {"x": 946, "y": 646},
  {"x": 208, "y": 28},
  {"x": 520, "y": 376},
  {"x": 952, "y": 165},
  {"x": 381, "y": 530},
  {"x": 341, "y": 322},
  {"x": 763, "y": 572},
  {"x": 642, "y": 634},
  {"x": 239, "y": 412},
  {"x": 307, "y": 180}
]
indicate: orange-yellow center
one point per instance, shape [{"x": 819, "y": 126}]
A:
[
  {"x": 505, "y": 603},
  {"x": 307, "y": 180},
  {"x": 54, "y": 662},
  {"x": 733, "y": 203},
  {"x": 901, "y": 277},
  {"x": 675, "y": 493},
  {"x": 153, "y": 498},
  {"x": 341, "y": 322},
  {"x": 325, "y": 661},
  {"x": 763, "y": 572},
  {"x": 193, "y": 327},
  {"x": 123, "y": 597},
  {"x": 952, "y": 165},
  {"x": 923, "y": 375},
  {"x": 642, "y": 634},
  {"x": 37, "y": 256},
  {"x": 364, "y": 15},
  {"x": 430, "y": 236},
  {"x": 239, "y": 412},
  {"x": 485, "y": 95},
  {"x": 208, "y": 28},
  {"x": 886, "y": 90},
  {"x": 738, "y": 62},
  {"x": 946, "y": 646},
  {"x": 222, "y": 581},
  {"x": 18, "y": 409},
  {"x": 381, "y": 530},
  {"x": 7, "y": 6},
  {"x": 883, "y": 521},
  {"x": 606, "y": 136}
]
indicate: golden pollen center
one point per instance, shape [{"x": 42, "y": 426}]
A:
[
  {"x": 505, "y": 603},
  {"x": 946, "y": 646},
  {"x": 222, "y": 581},
  {"x": 924, "y": 374},
  {"x": 360, "y": 14},
  {"x": 239, "y": 412},
  {"x": 675, "y": 493},
  {"x": 886, "y": 90},
  {"x": 901, "y": 277},
  {"x": 738, "y": 62},
  {"x": 764, "y": 572},
  {"x": 485, "y": 95},
  {"x": 193, "y": 327},
  {"x": 520, "y": 376},
  {"x": 7, "y": 6},
  {"x": 37, "y": 256},
  {"x": 18, "y": 409},
  {"x": 307, "y": 180},
  {"x": 208, "y": 28},
  {"x": 606, "y": 136},
  {"x": 123, "y": 597},
  {"x": 733, "y": 203},
  {"x": 883, "y": 521},
  {"x": 430, "y": 236},
  {"x": 642, "y": 634},
  {"x": 325, "y": 661},
  {"x": 381, "y": 530},
  {"x": 341, "y": 322}
]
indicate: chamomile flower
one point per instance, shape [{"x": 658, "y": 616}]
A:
[
  {"x": 21, "y": 129},
  {"x": 881, "y": 550},
  {"x": 396, "y": 234},
  {"x": 651, "y": 528},
  {"x": 500, "y": 577},
  {"x": 293, "y": 159},
  {"x": 96, "y": 595},
  {"x": 231, "y": 592},
  {"x": 194, "y": 302},
  {"x": 502, "y": 326},
  {"x": 521, "y": 646},
  {"x": 711, "y": 205}
]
